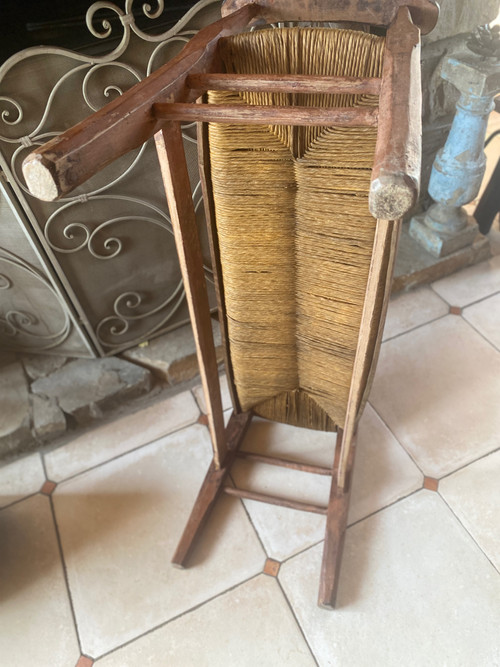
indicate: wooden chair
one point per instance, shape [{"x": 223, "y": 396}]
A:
[{"x": 389, "y": 101}]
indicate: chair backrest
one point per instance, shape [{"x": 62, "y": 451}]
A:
[{"x": 424, "y": 13}]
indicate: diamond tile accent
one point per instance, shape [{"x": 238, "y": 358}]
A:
[
  {"x": 438, "y": 390},
  {"x": 203, "y": 420},
  {"x": 248, "y": 626},
  {"x": 414, "y": 590},
  {"x": 35, "y": 614},
  {"x": 431, "y": 484},
  {"x": 272, "y": 567},
  {"x": 48, "y": 488},
  {"x": 131, "y": 513},
  {"x": 455, "y": 310},
  {"x": 473, "y": 493},
  {"x": 84, "y": 661},
  {"x": 118, "y": 437}
]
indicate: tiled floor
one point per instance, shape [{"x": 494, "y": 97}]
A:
[{"x": 85, "y": 575}]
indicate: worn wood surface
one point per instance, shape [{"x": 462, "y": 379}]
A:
[
  {"x": 376, "y": 12},
  {"x": 284, "y": 463},
  {"x": 170, "y": 148},
  {"x": 385, "y": 287},
  {"x": 210, "y": 489},
  {"x": 275, "y": 500},
  {"x": 127, "y": 122},
  {"x": 285, "y": 83},
  {"x": 383, "y": 234},
  {"x": 336, "y": 523},
  {"x": 396, "y": 170},
  {"x": 267, "y": 115}
]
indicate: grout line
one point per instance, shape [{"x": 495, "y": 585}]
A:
[
  {"x": 480, "y": 333},
  {"x": 65, "y": 573},
  {"x": 462, "y": 525},
  {"x": 247, "y": 513},
  {"x": 19, "y": 500},
  {"x": 403, "y": 448},
  {"x": 385, "y": 507},
  {"x": 129, "y": 451},
  {"x": 483, "y": 298},
  {"x": 431, "y": 285},
  {"x": 472, "y": 303},
  {"x": 466, "y": 465},
  {"x": 178, "y": 616},
  {"x": 196, "y": 400},
  {"x": 292, "y": 611},
  {"x": 395, "y": 437},
  {"x": 418, "y": 326}
]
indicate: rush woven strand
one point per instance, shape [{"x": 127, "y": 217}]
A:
[{"x": 294, "y": 230}]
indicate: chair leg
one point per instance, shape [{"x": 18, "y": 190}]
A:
[
  {"x": 336, "y": 523},
  {"x": 210, "y": 489}
]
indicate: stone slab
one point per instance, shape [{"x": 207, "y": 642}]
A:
[
  {"x": 83, "y": 388},
  {"x": 172, "y": 357},
  {"x": 49, "y": 420},
  {"x": 415, "y": 266},
  {"x": 442, "y": 244},
  {"x": 41, "y": 365}
]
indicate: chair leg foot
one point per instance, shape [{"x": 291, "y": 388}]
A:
[
  {"x": 210, "y": 489},
  {"x": 336, "y": 523}
]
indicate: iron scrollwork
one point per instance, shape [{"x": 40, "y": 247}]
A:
[
  {"x": 23, "y": 329},
  {"x": 65, "y": 232}
]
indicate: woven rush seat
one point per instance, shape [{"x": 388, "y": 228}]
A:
[{"x": 294, "y": 231}]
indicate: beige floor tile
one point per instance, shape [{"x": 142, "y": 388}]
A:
[
  {"x": 105, "y": 442},
  {"x": 471, "y": 284},
  {"x": 285, "y": 531},
  {"x": 36, "y": 625},
  {"x": 408, "y": 310},
  {"x": 226, "y": 396},
  {"x": 20, "y": 479},
  {"x": 383, "y": 473},
  {"x": 485, "y": 317},
  {"x": 415, "y": 590},
  {"x": 473, "y": 493},
  {"x": 438, "y": 390},
  {"x": 248, "y": 626},
  {"x": 130, "y": 515}
]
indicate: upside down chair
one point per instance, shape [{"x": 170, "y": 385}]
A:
[{"x": 309, "y": 145}]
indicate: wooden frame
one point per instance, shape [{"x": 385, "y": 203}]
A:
[{"x": 160, "y": 103}]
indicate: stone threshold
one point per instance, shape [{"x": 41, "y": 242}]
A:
[{"x": 48, "y": 399}]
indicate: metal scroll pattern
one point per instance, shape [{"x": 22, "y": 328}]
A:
[
  {"x": 67, "y": 230},
  {"x": 22, "y": 329}
]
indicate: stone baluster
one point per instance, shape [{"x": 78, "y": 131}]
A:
[{"x": 459, "y": 166}]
